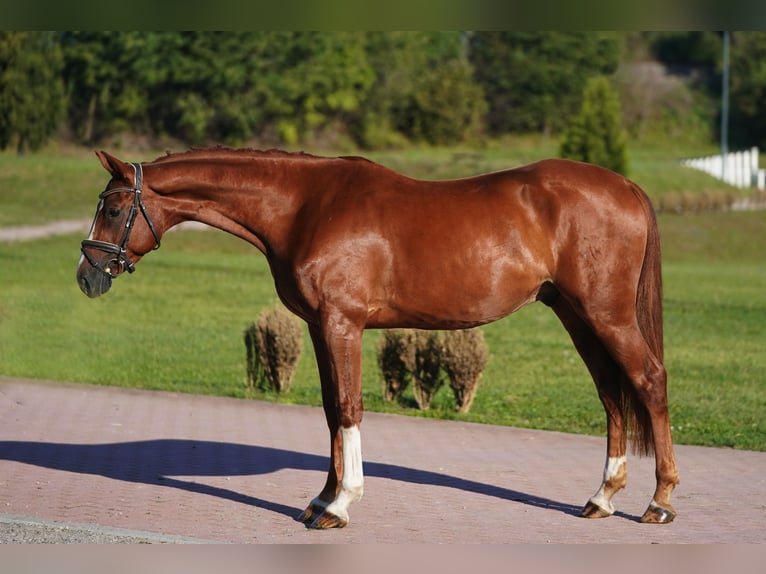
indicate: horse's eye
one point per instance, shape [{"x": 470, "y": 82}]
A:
[{"x": 114, "y": 212}]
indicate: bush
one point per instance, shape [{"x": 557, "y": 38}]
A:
[
  {"x": 657, "y": 104},
  {"x": 446, "y": 107},
  {"x": 696, "y": 202},
  {"x": 464, "y": 357},
  {"x": 274, "y": 344},
  {"x": 396, "y": 359},
  {"x": 427, "y": 359},
  {"x": 426, "y": 377},
  {"x": 596, "y": 135}
]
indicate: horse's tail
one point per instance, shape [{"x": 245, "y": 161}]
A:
[
  {"x": 649, "y": 299},
  {"x": 649, "y": 314}
]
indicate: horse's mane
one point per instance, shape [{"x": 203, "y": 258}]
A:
[{"x": 220, "y": 151}]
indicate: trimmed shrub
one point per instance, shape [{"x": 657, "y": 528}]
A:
[
  {"x": 697, "y": 201},
  {"x": 274, "y": 344},
  {"x": 464, "y": 356},
  {"x": 396, "y": 359},
  {"x": 426, "y": 377},
  {"x": 428, "y": 359}
]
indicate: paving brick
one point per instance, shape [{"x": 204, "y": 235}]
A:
[{"x": 228, "y": 470}]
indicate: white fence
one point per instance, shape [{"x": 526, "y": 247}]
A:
[{"x": 741, "y": 168}]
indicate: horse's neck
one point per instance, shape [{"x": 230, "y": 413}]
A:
[{"x": 254, "y": 200}]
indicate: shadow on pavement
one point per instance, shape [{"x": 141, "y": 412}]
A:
[{"x": 157, "y": 462}]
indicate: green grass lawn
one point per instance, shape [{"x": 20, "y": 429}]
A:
[
  {"x": 177, "y": 323},
  {"x": 38, "y": 189}
]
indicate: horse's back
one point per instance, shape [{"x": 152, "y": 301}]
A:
[{"x": 567, "y": 184}]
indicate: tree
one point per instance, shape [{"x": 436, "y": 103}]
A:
[
  {"x": 319, "y": 78},
  {"x": 748, "y": 88},
  {"x": 424, "y": 90},
  {"x": 686, "y": 48},
  {"x": 214, "y": 86},
  {"x": 106, "y": 91},
  {"x": 32, "y": 97},
  {"x": 445, "y": 106},
  {"x": 211, "y": 86},
  {"x": 533, "y": 80},
  {"x": 596, "y": 135}
]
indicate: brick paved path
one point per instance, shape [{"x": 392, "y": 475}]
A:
[{"x": 194, "y": 468}]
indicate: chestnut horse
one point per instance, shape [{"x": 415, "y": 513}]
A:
[{"x": 353, "y": 245}]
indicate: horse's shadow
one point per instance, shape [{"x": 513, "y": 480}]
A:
[{"x": 158, "y": 462}]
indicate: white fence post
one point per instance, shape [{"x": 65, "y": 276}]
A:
[{"x": 741, "y": 168}]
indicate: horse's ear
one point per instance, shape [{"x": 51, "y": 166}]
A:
[{"x": 113, "y": 165}]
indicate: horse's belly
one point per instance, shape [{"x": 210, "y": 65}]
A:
[{"x": 457, "y": 299}]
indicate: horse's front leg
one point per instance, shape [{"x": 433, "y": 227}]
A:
[{"x": 337, "y": 346}]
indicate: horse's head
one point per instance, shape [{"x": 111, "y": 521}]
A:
[{"x": 122, "y": 231}]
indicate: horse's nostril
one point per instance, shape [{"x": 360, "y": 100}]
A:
[{"x": 94, "y": 283}]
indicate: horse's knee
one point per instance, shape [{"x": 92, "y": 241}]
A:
[{"x": 651, "y": 385}]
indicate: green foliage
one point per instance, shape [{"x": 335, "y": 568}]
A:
[
  {"x": 686, "y": 48},
  {"x": 533, "y": 80},
  {"x": 748, "y": 88},
  {"x": 194, "y": 85},
  {"x": 361, "y": 89},
  {"x": 445, "y": 106},
  {"x": 273, "y": 347},
  {"x": 424, "y": 91},
  {"x": 214, "y": 86},
  {"x": 659, "y": 105},
  {"x": 596, "y": 135},
  {"x": 32, "y": 98},
  {"x": 318, "y": 78},
  {"x": 195, "y": 117}
]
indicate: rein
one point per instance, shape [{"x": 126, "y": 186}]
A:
[{"x": 121, "y": 260}]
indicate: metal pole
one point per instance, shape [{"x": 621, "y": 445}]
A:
[{"x": 725, "y": 106}]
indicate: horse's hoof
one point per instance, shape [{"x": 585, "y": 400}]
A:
[
  {"x": 656, "y": 514},
  {"x": 593, "y": 510},
  {"x": 328, "y": 520},
  {"x": 307, "y": 515}
]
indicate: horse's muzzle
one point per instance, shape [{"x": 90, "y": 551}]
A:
[{"x": 92, "y": 281}]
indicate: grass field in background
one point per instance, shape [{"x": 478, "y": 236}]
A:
[
  {"x": 177, "y": 323},
  {"x": 40, "y": 189}
]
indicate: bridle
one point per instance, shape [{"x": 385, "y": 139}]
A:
[{"x": 121, "y": 262}]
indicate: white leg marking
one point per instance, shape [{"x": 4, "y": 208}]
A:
[
  {"x": 352, "y": 481},
  {"x": 613, "y": 466},
  {"x": 611, "y": 469}
]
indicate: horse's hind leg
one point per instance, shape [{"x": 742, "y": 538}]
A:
[
  {"x": 648, "y": 381},
  {"x": 606, "y": 374}
]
